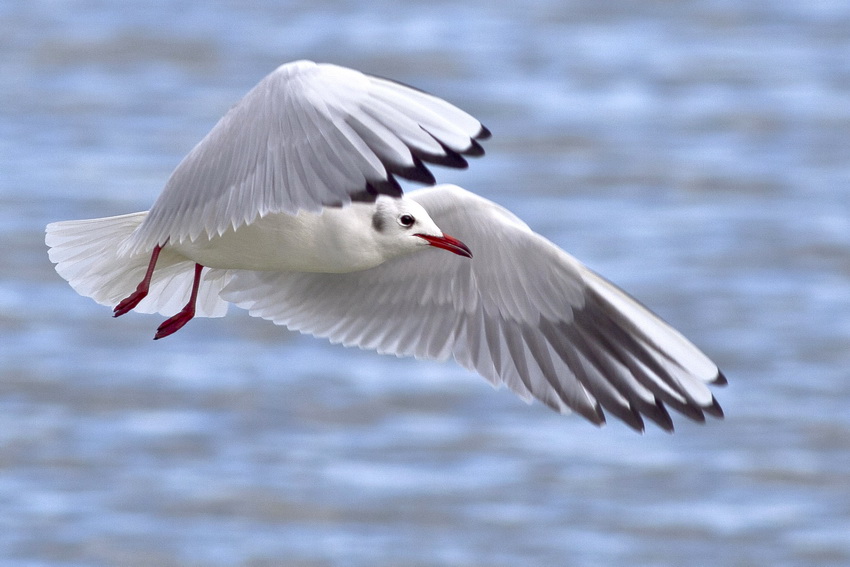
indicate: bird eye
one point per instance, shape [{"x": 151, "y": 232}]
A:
[{"x": 406, "y": 220}]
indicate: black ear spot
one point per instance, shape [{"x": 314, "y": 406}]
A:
[{"x": 378, "y": 222}]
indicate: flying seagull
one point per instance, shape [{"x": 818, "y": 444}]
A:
[{"x": 290, "y": 208}]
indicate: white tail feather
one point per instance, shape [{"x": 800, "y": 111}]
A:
[{"x": 87, "y": 254}]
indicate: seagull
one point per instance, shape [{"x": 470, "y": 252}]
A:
[{"x": 291, "y": 209}]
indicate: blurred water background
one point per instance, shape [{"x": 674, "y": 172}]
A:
[{"x": 697, "y": 153}]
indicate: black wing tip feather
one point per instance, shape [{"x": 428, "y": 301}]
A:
[
  {"x": 658, "y": 414},
  {"x": 375, "y": 187},
  {"x": 449, "y": 158},
  {"x": 596, "y": 416},
  {"x": 630, "y": 416},
  {"x": 474, "y": 149},
  {"x": 417, "y": 172},
  {"x": 483, "y": 134},
  {"x": 592, "y": 413},
  {"x": 714, "y": 409},
  {"x": 661, "y": 417},
  {"x": 634, "y": 417}
]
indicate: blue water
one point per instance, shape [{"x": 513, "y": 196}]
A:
[{"x": 696, "y": 153}]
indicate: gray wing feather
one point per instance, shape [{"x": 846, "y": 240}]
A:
[
  {"x": 307, "y": 136},
  {"x": 521, "y": 312}
]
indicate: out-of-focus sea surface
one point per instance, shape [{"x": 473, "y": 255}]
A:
[{"x": 696, "y": 153}]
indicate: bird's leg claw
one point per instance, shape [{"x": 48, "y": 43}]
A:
[
  {"x": 129, "y": 302},
  {"x": 175, "y": 323},
  {"x": 142, "y": 289}
]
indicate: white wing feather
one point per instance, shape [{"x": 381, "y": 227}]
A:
[{"x": 521, "y": 312}]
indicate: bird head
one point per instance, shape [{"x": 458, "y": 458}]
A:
[{"x": 404, "y": 226}]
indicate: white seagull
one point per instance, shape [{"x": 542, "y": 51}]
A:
[{"x": 290, "y": 208}]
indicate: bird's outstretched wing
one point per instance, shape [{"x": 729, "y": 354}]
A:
[
  {"x": 307, "y": 136},
  {"x": 521, "y": 312}
]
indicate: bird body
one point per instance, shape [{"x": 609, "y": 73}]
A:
[
  {"x": 334, "y": 240},
  {"x": 290, "y": 209}
]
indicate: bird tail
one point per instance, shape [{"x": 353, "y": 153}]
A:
[{"x": 87, "y": 253}]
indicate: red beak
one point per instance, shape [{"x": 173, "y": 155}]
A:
[{"x": 447, "y": 242}]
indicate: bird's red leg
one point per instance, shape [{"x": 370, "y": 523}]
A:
[
  {"x": 134, "y": 298},
  {"x": 175, "y": 323}
]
